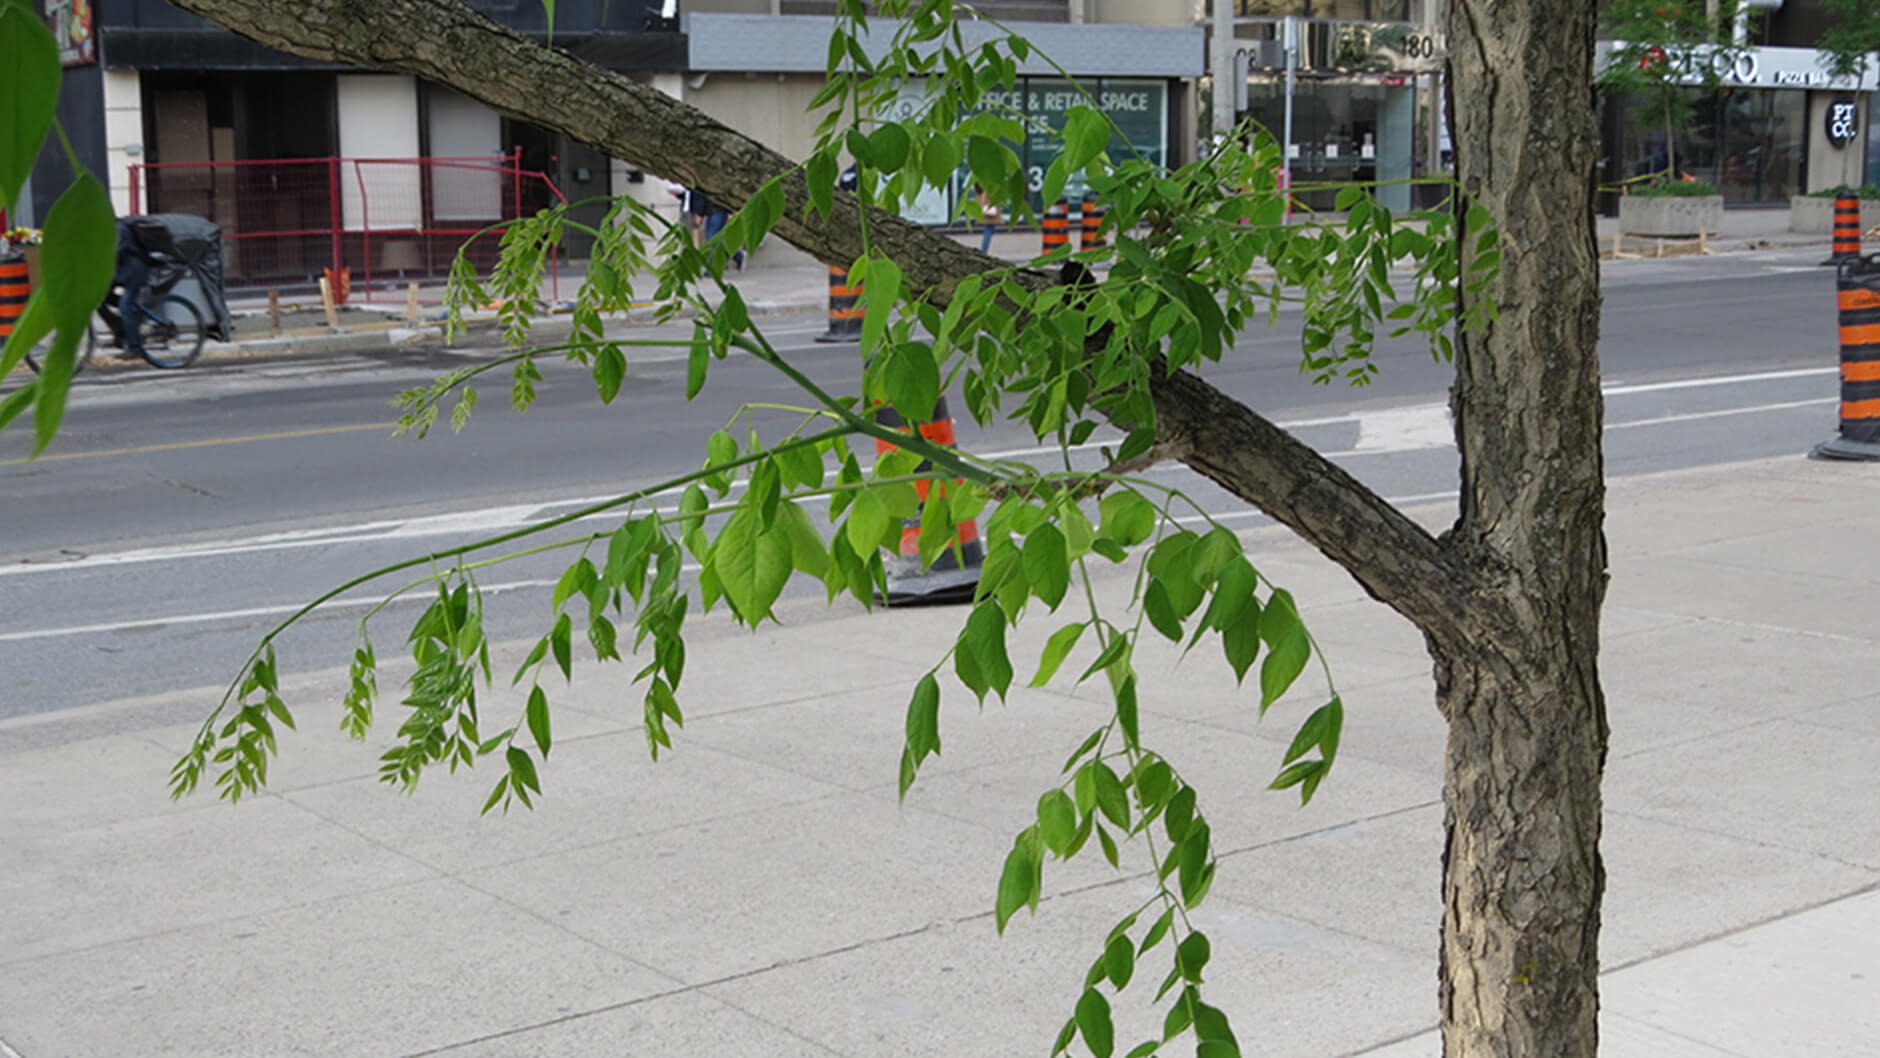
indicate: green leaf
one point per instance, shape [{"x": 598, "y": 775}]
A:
[
  {"x": 561, "y": 641},
  {"x": 1015, "y": 882},
  {"x": 1057, "y": 821},
  {"x": 941, "y": 158},
  {"x": 697, "y": 359},
  {"x": 1093, "y": 1020},
  {"x": 1180, "y": 814},
  {"x": 538, "y": 718},
  {"x": 522, "y": 767},
  {"x": 1191, "y": 956},
  {"x": 1055, "y": 650},
  {"x": 31, "y": 91},
  {"x": 1114, "y": 649},
  {"x": 986, "y": 158},
  {"x": 867, "y": 523},
  {"x": 1306, "y": 775},
  {"x": 1157, "y": 930},
  {"x": 610, "y": 368},
  {"x": 1126, "y": 715},
  {"x": 1217, "y": 1048},
  {"x": 1109, "y": 847},
  {"x": 1240, "y": 641},
  {"x": 910, "y": 379},
  {"x": 819, "y": 175},
  {"x": 1047, "y": 564},
  {"x": 807, "y": 551},
  {"x": 1321, "y": 729},
  {"x": 1284, "y": 660},
  {"x": 981, "y": 659},
  {"x": 1086, "y": 133},
  {"x": 801, "y": 465},
  {"x": 1112, "y": 799},
  {"x": 879, "y": 295},
  {"x": 1119, "y": 962},
  {"x": 889, "y": 144},
  {"x": 753, "y": 565},
  {"x": 81, "y": 234},
  {"x": 1196, "y": 872},
  {"x": 923, "y": 719},
  {"x": 1161, "y": 613},
  {"x": 1127, "y": 518}
]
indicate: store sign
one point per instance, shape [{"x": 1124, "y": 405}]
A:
[
  {"x": 1842, "y": 122},
  {"x": 1751, "y": 67},
  {"x": 70, "y": 22},
  {"x": 1137, "y": 109}
]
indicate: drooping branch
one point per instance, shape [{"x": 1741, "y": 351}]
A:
[{"x": 446, "y": 42}]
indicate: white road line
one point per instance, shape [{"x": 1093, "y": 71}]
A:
[
  {"x": 1719, "y": 413},
  {"x": 1719, "y": 380},
  {"x": 1235, "y": 516},
  {"x": 488, "y": 522},
  {"x": 240, "y": 615}
]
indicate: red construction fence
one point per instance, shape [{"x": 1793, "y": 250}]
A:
[{"x": 388, "y": 221}]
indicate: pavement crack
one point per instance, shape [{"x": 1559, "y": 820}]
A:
[{"x": 187, "y": 487}]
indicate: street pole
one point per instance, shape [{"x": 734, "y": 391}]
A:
[
  {"x": 1221, "y": 65},
  {"x": 1289, "y": 43}
]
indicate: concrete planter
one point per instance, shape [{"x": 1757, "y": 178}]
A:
[
  {"x": 1670, "y": 216},
  {"x": 1815, "y": 216}
]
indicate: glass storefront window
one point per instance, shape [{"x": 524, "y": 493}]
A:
[
  {"x": 1342, "y": 132},
  {"x": 1752, "y": 143}
]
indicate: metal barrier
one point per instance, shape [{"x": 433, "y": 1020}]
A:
[{"x": 388, "y": 221}]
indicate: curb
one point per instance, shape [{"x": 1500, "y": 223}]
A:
[{"x": 429, "y": 338}]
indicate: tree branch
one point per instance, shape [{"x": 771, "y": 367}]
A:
[{"x": 446, "y": 42}]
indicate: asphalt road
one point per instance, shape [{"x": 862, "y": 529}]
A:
[{"x": 180, "y": 515}]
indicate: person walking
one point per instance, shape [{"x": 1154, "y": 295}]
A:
[
  {"x": 716, "y": 217},
  {"x": 989, "y": 217}
]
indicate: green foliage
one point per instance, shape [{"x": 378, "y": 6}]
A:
[
  {"x": 1864, "y": 192},
  {"x": 1663, "y": 49},
  {"x": 1852, "y": 36},
  {"x": 1662, "y": 188},
  {"x": 1198, "y": 254},
  {"x": 80, "y": 236}
]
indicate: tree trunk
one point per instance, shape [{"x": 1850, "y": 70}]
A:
[
  {"x": 1522, "y": 877},
  {"x": 1671, "y": 147}
]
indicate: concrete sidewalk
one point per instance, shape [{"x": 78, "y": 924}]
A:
[{"x": 760, "y": 892}]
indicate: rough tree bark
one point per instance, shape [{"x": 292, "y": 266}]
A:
[
  {"x": 1522, "y": 876},
  {"x": 1508, "y": 600}
]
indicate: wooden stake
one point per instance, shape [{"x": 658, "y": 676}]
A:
[
  {"x": 411, "y": 303},
  {"x": 326, "y": 302},
  {"x": 274, "y": 312}
]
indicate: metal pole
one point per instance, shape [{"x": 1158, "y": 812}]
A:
[
  {"x": 1437, "y": 115},
  {"x": 1221, "y": 66},
  {"x": 333, "y": 218},
  {"x": 1290, "y": 45}
]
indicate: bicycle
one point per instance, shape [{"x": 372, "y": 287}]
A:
[{"x": 172, "y": 330}]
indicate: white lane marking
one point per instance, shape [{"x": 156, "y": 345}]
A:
[
  {"x": 489, "y": 521},
  {"x": 1406, "y": 429},
  {"x": 1719, "y": 380},
  {"x": 1234, "y": 516},
  {"x": 238, "y": 615},
  {"x": 1693, "y": 415}
]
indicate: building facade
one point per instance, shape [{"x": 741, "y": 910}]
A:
[{"x": 179, "y": 115}]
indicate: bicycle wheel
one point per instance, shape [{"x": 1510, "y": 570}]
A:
[
  {"x": 173, "y": 332},
  {"x": 85, "y": 348}
]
